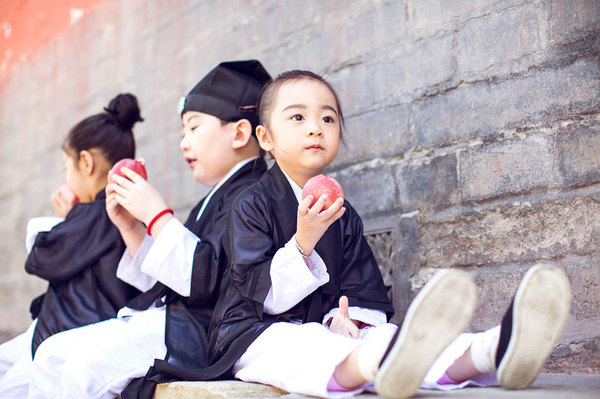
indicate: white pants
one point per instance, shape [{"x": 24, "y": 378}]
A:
[
  {"x": 301, "y": 358},
  {"x": 15, "y": 364},
  {"x": 98, "y": 360}
]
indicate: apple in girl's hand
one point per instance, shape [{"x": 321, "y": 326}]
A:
[
  {"x": 68, "y": 196},
  {"x": 319, "y": 185},
  {"x": 138, "y": 166}
]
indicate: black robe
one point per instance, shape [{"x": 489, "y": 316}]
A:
[
  {"x": 79, "y": 259},
  {"x": 263, "y": 220},
  {"x": 188, "y": 318}
]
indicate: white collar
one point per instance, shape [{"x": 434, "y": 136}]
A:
[
  {"x": 295, "y": 187},
  {"x": 231, "y": 172}
]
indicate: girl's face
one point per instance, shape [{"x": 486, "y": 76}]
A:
[
  {"x": 76, "y": 179},
  {"x": 206, "y": 146},
  {"x": 303, "y": 134}
]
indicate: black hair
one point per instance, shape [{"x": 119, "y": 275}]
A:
[
  {"x": 109, "y": 131},
  {"x": 271, "y": 88}
]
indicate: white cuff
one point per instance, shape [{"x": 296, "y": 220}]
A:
[
  {"x": 37, "y": 225},
  {"x": 129, "y": 269},
  {"x": 291, "y": 279},
  {"x": 171, "y": 258}
]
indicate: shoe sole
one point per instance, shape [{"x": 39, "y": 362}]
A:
[
  {"x": 540, "y": 311},
  {"x": 441, "y": 311}
]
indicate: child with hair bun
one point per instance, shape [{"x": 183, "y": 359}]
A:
[{"x": 78, "y": 251}]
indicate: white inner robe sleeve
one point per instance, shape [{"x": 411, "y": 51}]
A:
[
  {"x": 129, "y": 269},
  {"x": 36, "y": 226},
  {"x": 291, "y": 279},
  {"x": 170, "y": 260}
]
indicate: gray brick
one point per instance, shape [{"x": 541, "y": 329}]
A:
[
  {"x": 376, "y": 134},
  {"x": 427, "y": 184},
  {"x": 426, "y": 17},
  {"x": 578, "y": 153},
  {"x": 486, "y": 107},
  {"x": 500, "y": 38},
  {"x": 522, "y": 232},
  {"x": 511, "y": 166},
  {"x": 381, "y": 80},
  {"x": 370, "y": 191},
  {"x": 568, "y": 18}
]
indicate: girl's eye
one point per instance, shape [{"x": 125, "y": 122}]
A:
[
  {"x": 297, "y": 117},
  {"x": 328, "y": 119}
]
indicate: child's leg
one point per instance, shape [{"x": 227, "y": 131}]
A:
[
  {"x": 297, "y": 358},
  {"x": 98, "y": 360},
  {"x": 519, "y": 347},
  {"x": 441, "y": 310},
  {"x": 15, "y": 349}
]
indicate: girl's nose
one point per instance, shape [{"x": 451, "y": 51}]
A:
[{"x": 315, "y": 131}]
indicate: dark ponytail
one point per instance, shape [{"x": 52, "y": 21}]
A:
[{"x": 109, "y": 131}]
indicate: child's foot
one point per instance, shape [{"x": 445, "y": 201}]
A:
[
  {"x": 441, "y": 311},
  {"x": 532, "y": 325}
]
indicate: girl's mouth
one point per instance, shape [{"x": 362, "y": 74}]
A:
[{"x": 315, "y": 147}]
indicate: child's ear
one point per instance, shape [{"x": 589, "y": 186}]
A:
[
  {"x": 86, "y": 162},
  {"x": 241, "y": 134},
  {"x": 264, "y": 139}
]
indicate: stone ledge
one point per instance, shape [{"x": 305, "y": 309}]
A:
[{"x": 546, "y": 386}]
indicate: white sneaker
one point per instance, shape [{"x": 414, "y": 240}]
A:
[
  {"x": 441, "y": 311},
  {"x": 532, "y": 325}
]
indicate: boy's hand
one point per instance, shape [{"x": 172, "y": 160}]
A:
[
  {"x": 120, "y": 217},
  {"x": 60, "y": 205},
  {"x": 341, "y": 323},
  {"x": 136, "y": 195},
  {"x": 312, "y": 222}
]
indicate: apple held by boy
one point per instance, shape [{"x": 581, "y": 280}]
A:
[
  {"x": 137, "y": 165},
  {"x": 320, "y": 185}
]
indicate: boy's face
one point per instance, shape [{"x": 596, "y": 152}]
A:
[
  {"x": 304, "y": 129},
  {"x": 206, "y": 146}
]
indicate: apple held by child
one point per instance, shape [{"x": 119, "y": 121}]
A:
[
  {"x": 137, "y": 165},
  {"x": 67, "y": 195},
  {"x": 319, "y": 185}
]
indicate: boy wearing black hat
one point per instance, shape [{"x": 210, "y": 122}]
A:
[{"x": 178, "y": 266}]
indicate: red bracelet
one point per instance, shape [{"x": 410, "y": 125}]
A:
[{"x": 155, "y": 218}]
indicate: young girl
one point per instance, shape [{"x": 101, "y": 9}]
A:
[
  {"x": 79, "y": 256},
  {"x": 302, "y": 306}
]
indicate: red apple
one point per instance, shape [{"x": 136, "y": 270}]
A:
[
  {"x": 138, "y": 166},
  {"x": 319, "y": 185},
  {"x": 67, "y": 195}
]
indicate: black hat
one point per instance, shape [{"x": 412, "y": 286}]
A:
[{"x": 230, "y": 91}]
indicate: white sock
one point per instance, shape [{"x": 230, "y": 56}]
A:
[
  {"x": 371, "y": 351},
  {"x": 484, "y": 348}
]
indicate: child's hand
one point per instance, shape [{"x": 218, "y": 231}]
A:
[
  {"x": 116, "y": 213},
  {"x": 60, "y": 205},
  {"x": 136, "y": 195},
  {"x": 341, "y": 323},
  {"x": 312, "y": 223}
]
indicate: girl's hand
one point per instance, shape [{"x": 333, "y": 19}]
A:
[
  {"x": 341, "y": 323},
  {"x": 312, "y": 222},
  {"x": 136, "y": 195},
  {"x": 121, "y": 218},
  {"x": 61, "y": 207}
]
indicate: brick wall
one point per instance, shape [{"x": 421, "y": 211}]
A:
[{"x": 473, "y": 130}]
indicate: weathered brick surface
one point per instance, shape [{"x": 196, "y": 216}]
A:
[
  {"x": 473, "y": 130},
  {"x": 509, "y": 166}
]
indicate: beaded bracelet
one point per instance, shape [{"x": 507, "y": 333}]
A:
[{"x": 155, "y": 218}]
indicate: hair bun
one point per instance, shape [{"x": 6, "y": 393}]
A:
[{"x": 125, "y": 110}]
